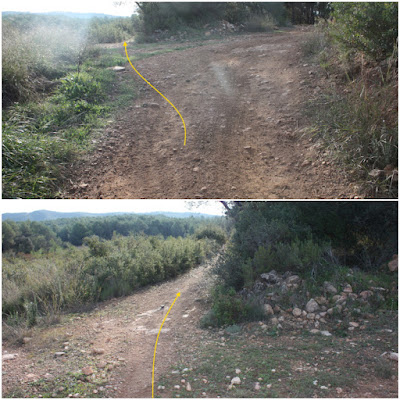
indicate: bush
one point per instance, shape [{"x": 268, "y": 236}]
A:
[
  {"x": 369, "y": 27},
  {"x": 68, "y": 279},
  {"x": 212, "y": 232},
  {"x": 106, "y": 30},
  {"x": 260, "y": 23}
]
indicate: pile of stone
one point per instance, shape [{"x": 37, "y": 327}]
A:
[{"x": 287, "y": 303}]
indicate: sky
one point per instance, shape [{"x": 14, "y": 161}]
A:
[
  {"x": 104, "y": 206},
  {"x": 125, "y": 8}
]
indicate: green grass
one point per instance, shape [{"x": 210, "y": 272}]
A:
[
  {"x": 261, "y": 358},
  {"x": 41, "y": 137}
]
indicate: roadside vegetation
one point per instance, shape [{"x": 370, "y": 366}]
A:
[
  {"x": 69, "y": 265},
  {"x": 341, "y": 243},
  {"x": 58, "y": 91},
  {"x": 356, "y": 116}
]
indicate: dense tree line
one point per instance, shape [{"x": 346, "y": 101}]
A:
[{"x": 27, "y": 236}]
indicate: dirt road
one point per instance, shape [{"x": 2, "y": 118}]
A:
[
  {"x": 120, "y": 334},
  {"x": 243, "y": 103}
]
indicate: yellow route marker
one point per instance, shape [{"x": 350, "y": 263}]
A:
[
  {"x": 155, "y": 347},
  {"x": 183, "y": 121}
]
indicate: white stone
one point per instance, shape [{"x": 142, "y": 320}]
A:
[
  {"x": 9, "y": 357},
  {"x": 394, "y": 356},
  {"x": 326, "y": 333},
  {"x": 237, "y": 371},
  {"x": 236, "y": 381},
  {"x": 257, "y": 386}
]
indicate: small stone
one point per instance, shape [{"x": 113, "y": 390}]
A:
[
  {"x": 237, "y": 371},
  {"x": 203, "y": 189},
  {"x": 102, "y": 364},
  {"x": 296, "y": 312},
  {"x": 26, "y": 340},
  {"x": 365, "y": 294},
  {"x": 31, "y": 377},
  {"x": 269, "y": 386},
  {"x": 348, "y": 289},
  {"x": 9, "y": 357},
  {"x": 274, "y": 321},
  {"x": 236, "y": 381},
  {"x": 247, "y": 148},
  {"x": 183, "y": 381},
  {"x": 394, "y": 356},
  {"x": 377, "y": 173},
  {"x": 59, "y": 353},
  {"x": 339, "y": 390},
  {"x": 95, "y": 391},
  {"x": 268, "y": 309},
  {"x": 324, "y": 387},
  {"x": 354, "y": 324},
  {"x": 97, "y": 350},
  {"x": 177, "y": 387},
  {"x": 87, "y": 370},
  {"x": 312, "y": 306},
  {"x": 329, "y": 288},
  {"x": 326, "y": 333},
  {"x": 257, "y": 386},
  {"x": 188, "y": 387},
  {"x": 314, "y": 331}
]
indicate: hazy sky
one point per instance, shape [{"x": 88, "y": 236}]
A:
[
  {"x": 104, "y": 206},
  {"x": 126, "y": 7}
]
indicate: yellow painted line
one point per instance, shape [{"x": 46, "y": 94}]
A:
[
  {"x": 155, "y": 347},
  {"x": 183, "y": 121}
]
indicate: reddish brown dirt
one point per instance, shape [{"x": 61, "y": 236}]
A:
[{"x": 243, "y": 102}]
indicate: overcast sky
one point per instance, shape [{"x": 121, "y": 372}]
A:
[
  {"x": 125, "y": 8},
  {"x": 105, "y": 206}
]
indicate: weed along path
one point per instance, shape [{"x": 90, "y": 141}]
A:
[
  {"x": 242, "y": 100},
  {"x": 108, "y": 352}
]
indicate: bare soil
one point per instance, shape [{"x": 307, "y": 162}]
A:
[
  {"x": 243, "y": 100},
  {"x": 124, "y": 331}
]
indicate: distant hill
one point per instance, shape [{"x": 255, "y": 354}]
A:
[
  {"x": 64, "y": 14},
  {"x": 45, "y": 215}
]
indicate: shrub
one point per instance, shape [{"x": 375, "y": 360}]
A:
[
  {"x": 212, "y": 232},
  {"x": 368, "y": 27},
  {"x": 260, "y": 23}
]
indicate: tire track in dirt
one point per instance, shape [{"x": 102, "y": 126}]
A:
[{"x": 242, "y": 100}]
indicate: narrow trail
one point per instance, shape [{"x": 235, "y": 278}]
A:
[
  {"x": 243, "y": 102},
  {"x": 125, "y": 330}
]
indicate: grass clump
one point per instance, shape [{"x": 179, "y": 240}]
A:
[{"x": 356, "y": 118}]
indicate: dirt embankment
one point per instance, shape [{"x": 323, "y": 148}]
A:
[{"x": 243, "y": 103}]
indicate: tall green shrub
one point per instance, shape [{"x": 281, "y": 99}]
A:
[{"x": 370, "y": 27}]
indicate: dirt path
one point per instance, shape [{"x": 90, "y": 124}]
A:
[
  {"x": 125, "y": 331},
  {"x": 243, "y": 103}
]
